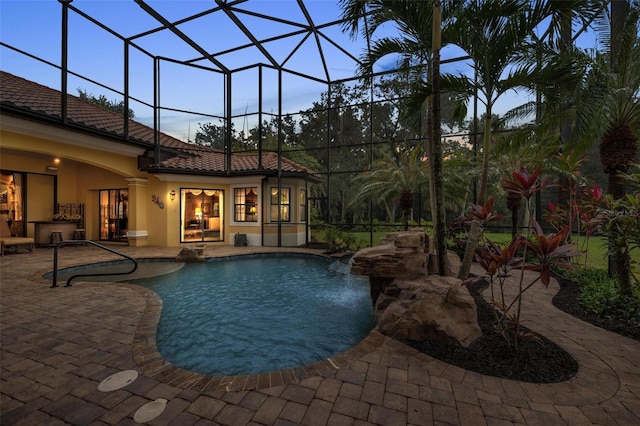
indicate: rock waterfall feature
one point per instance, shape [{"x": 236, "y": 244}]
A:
[{"x": 410, "y": 303}]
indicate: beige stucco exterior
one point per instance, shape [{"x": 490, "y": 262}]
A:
[{"x": 88, "y": 164}]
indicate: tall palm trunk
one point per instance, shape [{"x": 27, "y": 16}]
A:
[
  {"x": 486, "y": 151},
  {"x": 618, "y": 151},
  {"x": 430, "y": 155},
  {"x": 514, "y": 202},
  {"x": 440, "y": 231},
  {"x": 475, "y": 233},
  {"x": 406, "y": 205}
]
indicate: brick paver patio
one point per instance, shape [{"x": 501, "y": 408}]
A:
[{"x": 58, "y": 344}]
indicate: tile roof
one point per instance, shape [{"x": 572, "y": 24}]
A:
[
  {"x": 207, "y": 159},
  {"x": 28, "y": 96}
]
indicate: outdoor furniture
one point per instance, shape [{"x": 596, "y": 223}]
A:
[
  {"x": 79, "y": 235},
  {"x": 7, "y": 240},
  {"x": 56, "y": 237},
  {"x": 43, "y": 229}
]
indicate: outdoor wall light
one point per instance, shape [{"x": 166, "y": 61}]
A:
[{"x": 172, "y": 194}]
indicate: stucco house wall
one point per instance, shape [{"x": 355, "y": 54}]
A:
[{"x": 70, "y": 164}]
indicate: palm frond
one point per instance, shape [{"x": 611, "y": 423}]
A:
[
  {"x": 353, "y": 11},
  {"x": 521, "y": 113},
  {"x": 576, "y": 13},
  {"x": 405, "y": 48}
]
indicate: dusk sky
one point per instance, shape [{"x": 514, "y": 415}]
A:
[{"x": 34, "y": 27}]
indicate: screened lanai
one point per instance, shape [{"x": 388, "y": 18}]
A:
[{"x": 249, "y": 76}]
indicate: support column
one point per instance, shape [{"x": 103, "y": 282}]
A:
[{"x": 137, "y": 232}]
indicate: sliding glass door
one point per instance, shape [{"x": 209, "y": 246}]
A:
[
  {"x": 12, "y": 201},
  {"x": 114, "y": 207}
]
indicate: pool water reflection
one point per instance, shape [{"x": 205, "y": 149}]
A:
[{"x": 259, "y": 313}]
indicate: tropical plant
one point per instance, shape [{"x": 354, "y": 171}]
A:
[
  {"x": 518, "y": 149},
  {"x": 600, "y": 294},
  {"x": 400, "y": 172},
  {"x": 500, "y": 262},
  {"x": 619, "y": 221},
  {"x": 603, "y": 105},
  {"x": 339, "y": 241},
  {"x": 577, "y": 204},
  {"x": 607, "y": 107},
  {"x": 618, "y": 103},
  {"x": 497, "y": 36},
  {"x": 525, "y": 186},
  {"x": 545, "y": 252},
  {"x": 418, "y": 44}
]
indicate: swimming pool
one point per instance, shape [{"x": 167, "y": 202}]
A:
[{"x": 258, "y": 313}]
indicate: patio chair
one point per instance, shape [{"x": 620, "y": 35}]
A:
[{"x": 8, "y": 240}]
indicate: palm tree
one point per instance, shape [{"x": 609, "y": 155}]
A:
[
  {"x": 495, "y": 35},
  {"x": 394, "y": 180},
  {"x": 418, "y": 44},
  {"x": 435, "y": 151},
  {"x": 608, "y": 110},
  {"x": 397, "y": 176},
  {"x": 620, "y": 103},
  {"x": 602, "y": 104},
  {"x": 499, "y": 36}
]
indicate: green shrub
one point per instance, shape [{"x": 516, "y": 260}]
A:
[
  {"x": 339, "y": 241},
  {"x": 600, "y": 294}
]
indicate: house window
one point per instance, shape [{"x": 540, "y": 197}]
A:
[
  {"x": 303, "y": 205},
  {"x": 245, "y": 204},
  {"x": 285, "y": 204},
  {"x": 202, "y": 214}
]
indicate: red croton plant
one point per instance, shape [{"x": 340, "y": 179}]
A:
[
  {"x": 535, "y": 252},
  {"x": 540, "y": 253}
]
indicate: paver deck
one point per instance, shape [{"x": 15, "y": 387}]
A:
[{"x": 58, "y": 344}]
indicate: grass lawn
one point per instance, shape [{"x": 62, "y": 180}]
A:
[
  {"x": 595, "y": 256},
  {"x": 595, "y": 251}
]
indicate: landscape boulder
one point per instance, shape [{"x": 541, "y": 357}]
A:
[
  {"x": 452, "y": 258},
  {"x": 401, "y": 255},
  {"x": 410, "y": 301},
  {"x": 428, "y": 307},
  {"x": 192, "y": 254}
]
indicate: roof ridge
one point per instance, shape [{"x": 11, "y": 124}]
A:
[
  {"x": 46, "y": 101},
  {"x": 95, "y": 106}
]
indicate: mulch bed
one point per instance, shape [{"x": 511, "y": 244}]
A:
[{"x": 532, "y": 362}]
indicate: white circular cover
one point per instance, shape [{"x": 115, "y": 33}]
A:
[
  {"x": 118, "y": 380},
  {"x": 150, "y": 411}
]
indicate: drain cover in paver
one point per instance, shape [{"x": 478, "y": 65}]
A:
[
  {"x": 118, "y": 380},
  {"x": 150, "y": 411}
]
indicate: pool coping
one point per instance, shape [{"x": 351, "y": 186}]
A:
[{"x": 151, "y": 363}]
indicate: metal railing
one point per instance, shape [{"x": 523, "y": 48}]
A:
[{"x": 75, "y": 242}]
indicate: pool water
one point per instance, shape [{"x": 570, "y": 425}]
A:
[{"x": 254, "y": 314}]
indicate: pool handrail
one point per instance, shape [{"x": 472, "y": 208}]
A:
[{"x": 93, "y": 243}]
